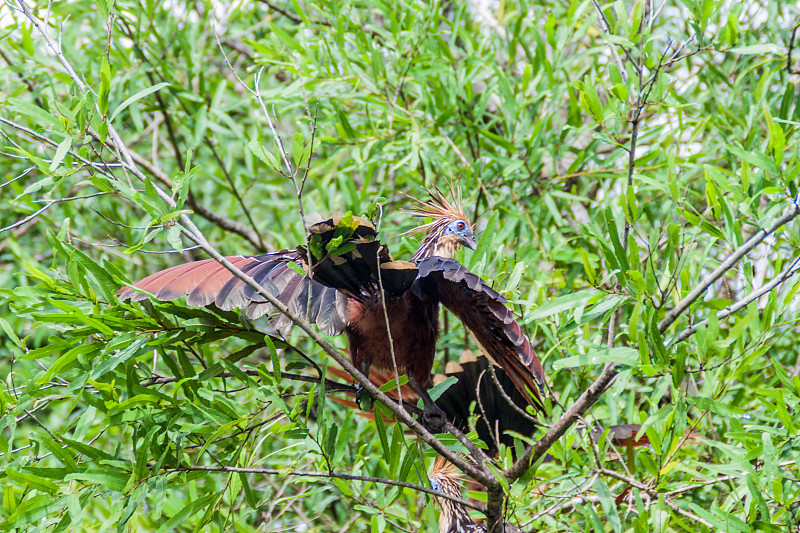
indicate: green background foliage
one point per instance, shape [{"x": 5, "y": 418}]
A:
[{"x": 111, "y": 410}]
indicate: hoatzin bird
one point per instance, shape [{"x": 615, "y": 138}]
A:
[
  {"x": 349, "y": 278},
  {"x": 454, "y": 517}
]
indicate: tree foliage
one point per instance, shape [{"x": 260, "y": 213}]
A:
[{"x": 633, "y": 167}]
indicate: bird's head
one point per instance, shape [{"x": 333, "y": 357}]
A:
[
  {"x": 449, "y": 229},
  {"x": 444, "y": 479}
]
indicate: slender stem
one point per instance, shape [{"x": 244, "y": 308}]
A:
[
  {"x": 787, "y": 273},
  {"x": 604, "y": 26},
  {"x": 727, "y": 264},
  {"x": 328, "y": 475}
]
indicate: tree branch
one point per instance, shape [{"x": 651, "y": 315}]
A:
[
  {"x": 787, "y": 273},
  {"x": 727, "y": 264},
  {"x": 589, "y": 397},
  {"x": 328, "y": 475}
]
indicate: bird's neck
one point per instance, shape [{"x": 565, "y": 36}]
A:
[
  {"x": 455, "y": 519},
  {"x": 436, "y": 245}
]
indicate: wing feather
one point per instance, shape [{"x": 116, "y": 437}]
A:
[
  {"x": 483, "y": 311},
  {"x": 206, "y": 282}
]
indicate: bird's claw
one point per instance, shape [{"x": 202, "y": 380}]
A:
[{"x": 434, "y": 419}]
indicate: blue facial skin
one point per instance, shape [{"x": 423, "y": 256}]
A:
[
  {"x": 459, "y": 227},
  {"x": 435, "y": 485},
  {"x": 462, "y": 231}
]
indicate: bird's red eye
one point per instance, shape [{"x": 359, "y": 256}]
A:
[{"x": 461, "y": 226}]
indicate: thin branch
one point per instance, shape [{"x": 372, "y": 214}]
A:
[
  {"x": 727, "y": 264},
  {"x": 297, "y": 20},
  {"x": 720, "y": 479},
  {"x": 328, "y": 475},
  {"x": 508, "y": 399},
  {"x": 329, "y": 384},
  {"x": 789, "y": 67},
  {"x": 654, "y": 494},
  {"x": 586, "y": 400},
  {"x": 604, "y": 26},
  {"x": 787, "y": 273},
  {"x": 48, "y": 205},
  {"x": 386, "y": 312}
]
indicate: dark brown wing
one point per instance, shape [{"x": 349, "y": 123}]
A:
[
  {"x": 483, "y": 311},
  {"x": 206, "y": 282}
]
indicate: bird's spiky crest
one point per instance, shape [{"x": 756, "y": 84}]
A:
[
  {"x": 444, "y": 469},
  {"x": 439, "y": 208},
  {"x": 443, "y": 212}
]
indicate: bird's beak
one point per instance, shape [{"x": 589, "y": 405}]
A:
[{"x": 469, "y": 241}]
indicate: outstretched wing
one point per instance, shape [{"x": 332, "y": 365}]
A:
[
  {"x": 348, "y": 269},
  {"x": 206, "y": 282},
  {"x": 483, "y": 311}
]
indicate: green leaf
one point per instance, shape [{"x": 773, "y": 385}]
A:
[
  {"x": 6, "y": 327},
  {"x": 35, "y": 112},
  {"x": 563, "y": 303},
  {"x": 276, "y": 362},
  {"x": 112, "y": 479},
  {"x": 187, "y": 512},
  {"x": 608, "y": 504},
  {"x": 622, "y": 355},
  {"x": 105, "y": 86},
  {"x": 33, "y": 510},
  {"x": 758, "y": 49},
  {"x": 61, "y": 152},
  {"x": 437, "y": 390},
  {"x": 715, "y": 406},
  {"x": 138, "y": 96},
  {"x": 264, "y": 155},
  {"x": 32, "y": 481},
  {"x": 754, "y": 158},
  {"x": 297, "y": 148}
]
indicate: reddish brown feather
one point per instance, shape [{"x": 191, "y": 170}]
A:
[{"x": 174, "y": 282}]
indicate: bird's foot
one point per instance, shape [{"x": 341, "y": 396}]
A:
[
  {"x": 434, "y": 419},
  {"x": 363, "y": 398}
]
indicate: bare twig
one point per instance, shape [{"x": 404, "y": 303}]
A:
[
  {"x": 789, "y": 67},
  {"x": 47, "y": 205},
  {"x": 727, "y": 264},
  {"x": 655, "y": 494},
  {"x": 386, "y": 312},
  {"x": 604, "y": 26},
  {"x": 508, "y": 399},
  {"x": 297, "y": 20},
  {"x": 328, "y": 475},
  {"x": 787, "y": 273}
]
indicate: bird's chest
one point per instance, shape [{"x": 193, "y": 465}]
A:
[{"x": 413, "y": 326}]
